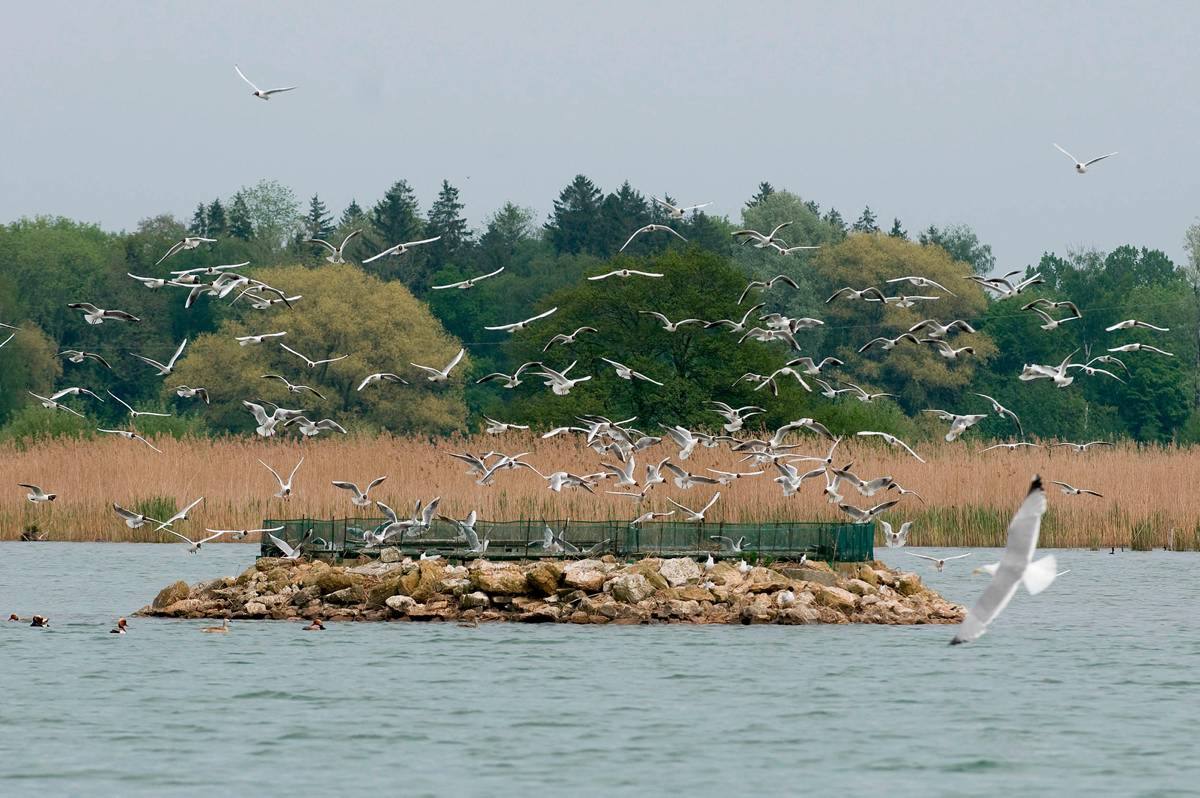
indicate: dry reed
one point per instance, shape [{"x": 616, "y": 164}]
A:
[{"x": 969, "y": 494}]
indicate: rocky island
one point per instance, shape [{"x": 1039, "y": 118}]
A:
[{"x": 652, "y": 590}]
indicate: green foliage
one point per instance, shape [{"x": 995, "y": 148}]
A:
[
  {"x": 33, "y": 423},
  {"x": 27, "y": 363},
  {"x": 575, "y": 226}
]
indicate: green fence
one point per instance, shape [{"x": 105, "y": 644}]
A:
[{"x": 786, "y": 540}]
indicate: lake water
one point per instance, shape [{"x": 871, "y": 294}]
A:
[{"x": 1090, "y": 688}]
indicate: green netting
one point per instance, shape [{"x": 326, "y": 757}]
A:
[{"x": 785, "y": 540}]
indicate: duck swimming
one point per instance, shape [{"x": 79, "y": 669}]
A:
[
  {"x": 120, "y": 630},
  {"x": 40, "y": 621},
  {"x": 315, "y": 626},
  {"x": 223, "y": 628},
  {"x": 13, "y": 617}
]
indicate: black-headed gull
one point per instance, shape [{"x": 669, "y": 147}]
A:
[
  {"x": 443, "y": 374},
  {"x": 1071, "y": 490},
  {"x": 262, "y": 94},
  {"x": 188, "y": 242},
  {"x": 36, "y": 495},
  {"x": 247, "y": 340},
  {"x": 164, "y": 369},
  {"x": 468, "y": 283},
  {"x": 651, "y": 228},
  {"x": 896, "y": 540},
  {"x": 400, "y": 249},
  {"x": 382, "y": 376},
  {"x": 188, "y": 392},
  {"x": 336, "y": 253},
  {"x": 129, "y": 435},
  {"x": 1082, "y": 166},
  {"x": 517, "y": 326},
  {"x": 94, "y": 315},
  {"x": 359, "y": 498},
  {"x": 312, "y": 364},
  {"x": 938, "y": 562},
  {"x": 566, "y": 339},
  {"x": 1130, "y": 324},
  {"x": 79, "y": 356},
  {"x": 696, "y": 516},
  {"x": 958, "y": 423},
  {"x": 676, "y": 211},
  {"x": 285, "y": 488}
]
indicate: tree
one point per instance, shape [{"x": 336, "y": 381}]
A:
[
  {"x": 240, "y": 224},
  {"x": 396, "y": 219},
  {"x": 866, "y": 222},
  {"x": 961, "y": 243},
  {"x": 27, "y": 363},
  {"x": 622, "y": 212},
  {"x": 274, "y": 213},
  {"x": 353, "y": 216},
  {"x": 837, "y": 224},
  {"x": 216, "y": 218},
  {"x": 765, "y": 190},
  {"x": 388, "y": 329},
  {"x": 575, "y": 226},
  {"x": 199, "y": 224},
  {"x": 897, "y": 230},
  {"x": 446, "y": 221},
  {"x": 318, "y": 223}
]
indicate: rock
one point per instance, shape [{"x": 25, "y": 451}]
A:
[
  {"x": 330, "y": 580},
  {"x": 836, "y": 598},
  {"x": 694, "y": 593},
  {"x": 822, "y": 576},
  {"x": 377, "y": 569},
  {"x": 867, "y": 574},
  {"x": 859, "y": 587},
  {"x": 493, "y": 577},
  {"x": 630, "y": 588},
  {"x": 679, "y": 571},
  {"x": 171, "y": 594},
  {"x": 587, "y": 575},
  {"x": 764, "y": 580},
  {"x": 683, "y": 609},
  {"x": 543, "y": 577},
  {"x": 474, "y": 600},
  {"x": 725, "y": 573},
  {"x": 429, "y": 577},
  {"x": 401, "y": 605},
  {"x": 183, "y": 608},
  {"x": 347, "y": 596},
  {"x": 909, "y": 585},
  {"x": 649, "y": 569},
  {"x": 255, "y": 609},
  {"x": 794, "y": 615},
  {"x": 390, "y": 554}
]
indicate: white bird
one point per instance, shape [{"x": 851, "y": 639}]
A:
[
  {"x": 668, "y": 325},
  {"x": 920, "y": 282},
  {"x": 293, "y": 387},
  {"x": 468, "y": 283},
  {"x": 509, "y": 380},
  {"x": 312, "y": 364},
  {"x": 94, "y": 315},
  {"x": 1052, "y": 323},
  {"x": 336, "y": 253},
  {"x": 382, "y": 376},
  {"x": 1071, "y": 490},
  {"x": 1092, "y": 371},
  {"x": 1003, "y": 412},
  {"x": 906, "y": 300},
  {"x": 194, "y": 545},
  {"x": 188, "y": 392},
  {"x": 151, "y": 282},
  {"x": 896, "y": 540},
  {"x": 684, "y": 438},
  {"x": 863, "y": 395},
  {"x": 1012, "y": 446},
  {"x": 79, "y": 356},
  {"x": 188, "y": 242},
  {"x": 789, "y": 250},
  {"x": 870, "y": 293},
  {"x": 768, "y": 284},
  {"x": 946, "y": 350},
  {"x": 495, "y": 427},
  {"x": 861, "y": 516},
  {"x": 130, "y": 436},
  {"x": 935, "y": 329},
  {"x": 626, "y": 373},
  {"x": 36, "y": 494},
  {"x": 182, "y": 515},
  {"x": 164, "y": 369},
  {"x": 696, "y": 516},
  {"x": 735, "y": 327},
  {"x": 624, "y": 273},
  {"x": 958, "y": 423},
  {"x": 133, "y": 520},
  {"x": 400, "y": 249},
  {"x": 50, "y": 403},
  {"x": 651, "y": 228},
  {"x": 440, "y": 375},
  {"x": 735, "y": 546},
  {"x": 566, "y": 339},
  {"x": 1082, "y": 166},
  {"x": 892, "y": 440},
  {"x": 1079, "y": 448},
  {"x": 939, "y": 562},
  {"x": 1059, "y": 374},
  {"x": 887, "y": 344},
  {"x": 813, "y": 368},
  {"x": 677, "y": 212},
  {"x": 290, "y": 553},
  {"x": 238, "y": 534},
  {"x": 558, "y": 381},
  {"x": 262, "y": 94},
  {"x": 309, "y": 428},
  {"x": 1005, "y": 288},
  {"x": 1016, "y": 567},
  {"x": 285, "y": 488},
  {"x": 517, "y": 326},
  {"x": 686, "y": 480},
  {"x": 762, "y": 241},
  {"x": 735, "y": 417},
  {"x": 246, "y": 340},
  {"x": 136, "y": 413},
  {"x": 1130, "y": 324},
  {"x": 1140, "y": 348},
  {"x": 360, "y": 498},
  {"x": 650, "y": 516},
  {"x": 785, "y": 598}
]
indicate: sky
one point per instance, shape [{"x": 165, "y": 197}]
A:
[{"x": 936, "y": 113}]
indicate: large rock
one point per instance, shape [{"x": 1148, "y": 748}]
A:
[
  {"x": 726, "y": 573},
  {"x": 377, "y": 569},
  {"x": 679, "y": 571},
  {"x": 347, "y": 596},
  {"x": 493, "y": 577},
  {"x": 390, "y": 554},
  {"x": 909, "y": 585},
  {"x": 822, "y": 576},
  {"x": 473, "y": 600},
  {"x": 429, "y": 577},
  {"x": 683, "y": 609},
  {"x": 764, "y": 580},
  {"x": 171, "y": 594},
  {"x": 543, "y": 577},
  {"x": 255, "y": 609},
  {"x": 694, "y": 593},
  {"x": 586, "y": 575},
  {"x": 401, "y": 605},
  {"x": 649, "y": 569},
  {"x": 183, "y": 608},
  {"x": 330, "y": 580},
  {"x": 630, "y": 588},
  {"x": 837, "y": 599}
]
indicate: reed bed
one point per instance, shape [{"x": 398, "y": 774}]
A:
[{"x": 969, "y": 494}]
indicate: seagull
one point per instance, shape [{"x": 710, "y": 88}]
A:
[
  {"x": 293, "y": 387},
  {"x": 1091, "y": 371},
  {"x": 260, "y": 93},
  {"x": 441, "y": 375},
  {"x": 266, "y": 423},
  {"x": 164, "y": 369},
  {"x": 1012, "y": 447},
  {"x": 188, "y": 392},
  {"x": 1051, "y": 322},
  {"x": 1005, "y": 288},
  {"x": 1082, "y": 166},
  {"x": 517, "y": 326},
  {"x": 383, "y": 376},
  {"x": 811, "y": 367},
  {"x": 1082, "y": 447},
  {"x": 888, "y": 344},
  {"x": 735, "y": 416},
  {"x": 510, "y": 380},
  {"x": 685, "y": 480},
  {"x": 136, "y": 413},
  {"x": 735, "y": 546},
  {"x": 696, "y": 516},
  {"x": 934, "y": 329},
  {"x": 1070, "y": 490},
  {"x": 1058, "y": 374},
  {"x": 863, "y": 396},
  {"x": 861, "y": 516},
  {"x": 946, "y": 350},
  {"x": 789, "y": 250},
  {"x": 335, "y": 255},
  {"x": 78, "y": 356},
  {"x": 1130, "y": 324},
  {"x": 566, "y": 339},
  {"x": 36, "y": 494},
  {"x": 360, "y": 497},
  {"x": 152, "y": 282},
  {"x": 246, "y": 340},
  {"x": 130, "y": 436},
  {"x": 870, "y": 293},
  {"x": 285, "y": 488},
  {"x": 650, "y": 516},
  {"x": 52, "y": 403},
  {"x": 312, "y": 364},
  {"x": 729, "y": 477},
  {"x": 624, "y": 273},
  {"x": 734, "y": 326},
  {"x": 1015, "y": 567},
  {"x": 1141, "y": 348},
  {"x": 768, "y": 284},
  {"x": 94, "y": 315},
  {"x": 182, "y": 515},
  {"x": 896, "y": 540},
  {"x": 676, "y": 212},
  {"x": 650, "y": 228},
  {"x": 290, "y": 553},
  {"x": 920, "y": 282},
  {"x": 499, "y": 427},
  {"x": 958, "y": 423},
  {"x": 684, "y": 438},
  {"x": 238, "y": 534},
  {"x": 762, "y": 241},
  {"x": 906, "y": 300},
  {"x": 939, "y": 562},
  {"x": 468, "y": 283},
  {"x": 400, "y": 249},
  {"x": 309, "y": 428},
  {"x": 829, "y": 392},
  {"x": 1003, "y": 412},
  {"x": 133, "y": 520},
  {"x": 626, "y": 373},
  {"x": 558, "y": 382},
  {"x": 893, "y": 440},
  {"x": 194, "y": 545},
  {"x": 188, "y": 242}
]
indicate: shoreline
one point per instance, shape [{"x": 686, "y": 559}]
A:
[{"x": 588, "y": 591}]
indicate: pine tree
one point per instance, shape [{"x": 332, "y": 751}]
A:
[
  {"x": 396, "y": 219},
  {"x": 765, "y": 190},
  {"x": 216, "y": 218},
  {"x": 199, "y": 224},
  {"x": 575, "y": 225},
  {"x": 866, "y": 222},
  {"x": 897, "y": 231},
  {"x": 837, "y": 224},
  {"x": 446, "y": 220},
  {"x": 622, "y": 212},
  {"x": 353, "y": 216},
  {"x": 318, "y": 223},
  {"x": 240, "y": 225}
]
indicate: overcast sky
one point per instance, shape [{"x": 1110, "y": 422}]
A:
[{"x": 933, "y": 112}]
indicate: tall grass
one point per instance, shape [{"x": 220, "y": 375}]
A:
[{"x": 969, "y": 494}]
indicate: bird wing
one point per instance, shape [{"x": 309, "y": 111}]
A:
[
  {"x": 922, "y": 556},
  {"x": 326, "y": 244},
  {"x": 375, "y": 482},
  {"x": 175, "y": 357},
  {"x": 1069, "y": 155},
  {"x": 287, "y": 550},
  {"x": 120, "y": 400},
  {"x": 237, "y": 69},
  {"x": 350, "y": 486},
  {"x": 956, "y": 557},
  {"x": 1022, "y": 541},
  {"x": 454, "y": 362},
  {"x": 388, "y": 512},
  {"x": 1101, "y": 158},
  {"x": 278, "y": 478},
  {"x": 287, "y": 348}
]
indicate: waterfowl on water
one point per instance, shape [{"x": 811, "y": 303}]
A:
[
  {"x": 315, "y": 626},
  {"x": 222, "y": 629},
  {"x": 120, "y": 630},
  {"x": 13, "y": 617},
  {"x": 40, "y": 621}
]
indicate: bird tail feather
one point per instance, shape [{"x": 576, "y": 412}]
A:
[{"x": 1039, "y": 574}]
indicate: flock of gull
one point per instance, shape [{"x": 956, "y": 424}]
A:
[{"x": 620, "y": 441}]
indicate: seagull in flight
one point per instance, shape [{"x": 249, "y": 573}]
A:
[
  {"x": 238, "y": 534},
  {"x": 939, "y": 562},
  {"x": 893, "y": 441},
  {"x": 52, "y": 403},
  {"x": 958, "y": 423},
  {"x": 131, "y": 436},
  {"x": 136, "y": 413},
  {"x": 1141, "y": 348},
  {"x": 188, "y": 392},
  {"x": 1052, "y": 323},
  {"x": 626, "y": 373},
  {"x": 495, "y": 427},
  {"x": 514, "y": 379},
  {"x": 132, "y": 519},
  {"x": 651, "y": 228},
  {"x": 558, "y": 381},
  {"x": 188, "y": 242},
  {"x": 895, "y": 540},
  {"x": 164, "y": 369},
  {"x": 920, "y": 282},
  {"x": 468, "y": 283},
  {"x": 566, "y": 339},
  {"x": 293, "y": 387},
  {"x": 887, "y": 344},
  {"x": 1016, "y": 567},
  {"x": 1004, "y": 287},
  {"x": 360, "y": 498},
  {"x": 1130, "y": 324},
  {"x": 400, "y": 249},
  {"x": 762, "y": 241},
  {"x": 261, "y": 93},
  {"x": 1059, "y": 374},
  {"x": 1082, "y": 166},
  {"x": 312, "y": 364},
  {"x": 870, "y": 293},
  {"x": 182, "y": 515},
  {"x": 36, "y": 494},
  {"x": 440, "y": 375},
  {"x": 335, "y": 255},
  {"x": 624, "y": 273},
  {"x": 79, "y": 356},
  {"x": 285, "y": 488},
  {"x": 246, "y": 340},
  {"x": 768, "y": 284},
  {"x": 383, "y": 376},
  {"x": 517, "y": 326},
  {"x": 935, "y": 329},
  {"x": 861, "y": 516},
  {"x": 696, "y": 516},
  {"x": 1012, "y": 447},
  {"x": 1071, "y": 490},
  {"x": 675, "y": 211},
  {"x": 668, "y": 325},
  {"x": 290, "y": 553},
  {"x": 194, "y": 545},
  {"x": 1079, "y": 448},
  {"x": 94, "y": 315},
  {"x": 1003, "y": 412}
]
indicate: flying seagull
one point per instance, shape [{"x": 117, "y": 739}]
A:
[
  {"x": 1003, "y": 412},
  {"x": 285, "y": 488},
  {"x": 79, "y": 356},
  {"x": 164, "y": 369},
  {"x": 188, "y": 242},
  {"x": 400, "y": 249},
  {"x": 1071, "y": 490},
  {"x": 440, "y": 375},
  {"x": 335, "y": 255},
  {"x": 246, "y": 340},
  {"x": 1129, "y": 324},
  {"x": 188, "y": 392},
  {"x": 135, "y": 413},
  {"x": 566, "y": 339},
  {"x": 626, "y": 373},
  {"x": 36, "y": 494},
  {"x": 517, "y": 326},
  {"x": 360, "y": 498},
  {"x": 383, "y": 376},
  {"x": 1082, "y": 166},
  {"x": 892, "y": 440},
  {"x": 765, "y": 284},
  {"x": 651, "y": 228},
  {"x": 624, "y": 273},
  {"x": 939, "y": 562},
  {"x": 677, "y": 212},
  {"x": 290, "y": 553},
  {"x": 896, "y": 540},
  {"x": 94, "y": 315},
  {"x": 920, "y": 282},
  {"x": 312, "y": 364},
  {"x": 130, "y": 436},
  {"x": 696, "y": 516},
  {"x": 1016, "y": 567},
  {"x": 182, "y": 515},
  {"x": 294, "y": 387},
  {"x": 133, "y": 520},
  {"x": 468, "y": 283},
  {"x": 261, "y": 93}
]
